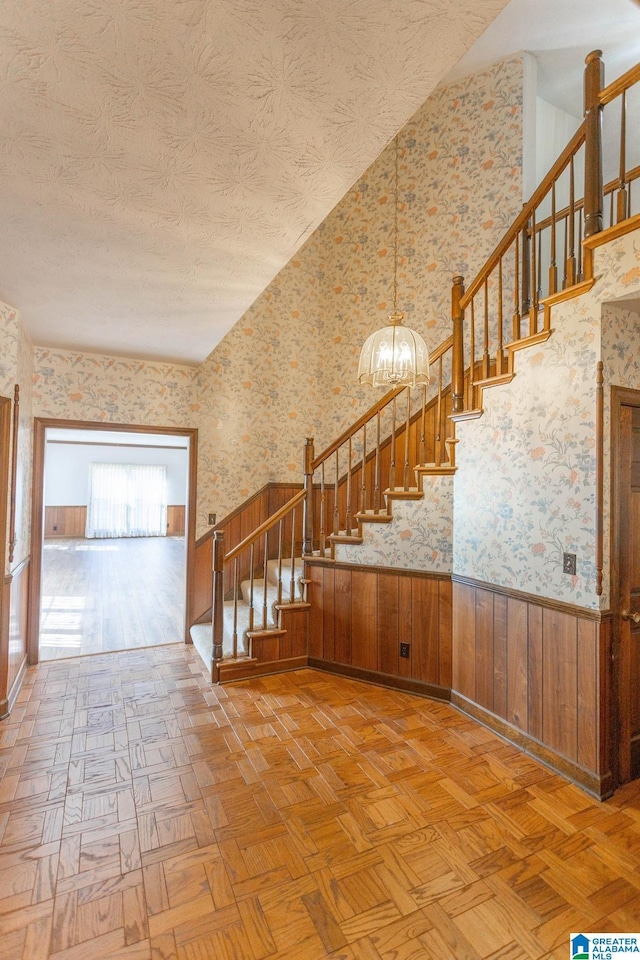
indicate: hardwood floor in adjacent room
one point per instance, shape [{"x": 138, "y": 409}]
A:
[
  {"x": 147, "y": 815},
  {"x": 102, "y": 595}
]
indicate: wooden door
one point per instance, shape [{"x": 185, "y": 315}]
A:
[{"x": 626, "y": 584}]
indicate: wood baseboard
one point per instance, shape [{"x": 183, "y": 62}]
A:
[
  {"x": 239, "y": 670},
  {"x": 599, "y": 787},
  {"x": 16, "y": 686},
  {"x": 420, "y": 687}
]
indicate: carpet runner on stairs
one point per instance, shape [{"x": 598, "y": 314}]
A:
[{"x": 202, "y": 633}]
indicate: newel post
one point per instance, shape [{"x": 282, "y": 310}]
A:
[
  {"x": 307, "y": 541},
  {"x": 218, "y": 596},
  {"x": 593, "y": 189},
  {"x": 457, "y": 355}
]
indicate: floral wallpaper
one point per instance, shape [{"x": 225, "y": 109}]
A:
[
  {"x": 9, "y": 338},
  {"x": 83, "y": 386},
  {"x": 420, "y": 537},
  {"x": 525, "y": 487},
  {"x": 16, "y": 367},
  {"x": 287, "y": 370}
]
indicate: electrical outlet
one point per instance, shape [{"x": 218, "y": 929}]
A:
[
  {"x": 404, "y": 650},
  {"x": 569, "y": 563},
  {"x": 212, "y": 519}
]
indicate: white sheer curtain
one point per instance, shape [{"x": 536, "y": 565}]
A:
[{"x": 127, "y": 500}]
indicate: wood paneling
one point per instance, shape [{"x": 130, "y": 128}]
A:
[
  {"x": 538, "y": 666},
  {"x": 175, "y": 520},
  {"x": 484, "y": 648},
  {"x": 71, "y": 521},
  {"x": 587, "y": 694},
  {"x": 65, "y": 521},
  {"x": 342, "y": 615},
  {"x": 500, "y": 655},
  {"x": 464, "y": 632},
  {"x": 560, "y": 678},
  {"x": 316, "y": 623},
  {"x": 364, "y": 632},
  {"x": 517, "y": 663},
  {"x": 387, "y": 623},
  {"x": 360, "y": 615}
]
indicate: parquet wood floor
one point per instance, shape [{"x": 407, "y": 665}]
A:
[
  {"x": 146, "y": 815},
  {"x": 114, "y": 594}
]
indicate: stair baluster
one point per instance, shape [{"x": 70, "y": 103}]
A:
[
  {"x": 292, "y": 582},
  {"x": 553, "y": 270},
  {"x": 280, "y": 532},
  {"x": 363, "y": 479},
  {"x": 500, "y": 353},
  {"x": 438, "y": 426},
  {"x": 622, "y": 206},
  {"x": 486, "y": 363},
  {"x": 407, "y": 428},
  {"x": 392, "y": 462},
  {"x": 348, "y": 522},
  {"x": 516, "y": 289},
  {"x": 336, "y": 507},
  {"x": 251, "y": 569},
  {"x": 323, "y": 540},
  {"x": 423, "y": 416},
  {"x": 376, "y": 491},
  {"x": 571, "y": 260},
  {"x": 265, "y": 561}
]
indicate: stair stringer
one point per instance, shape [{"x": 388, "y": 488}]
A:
[{"x": 418, "y": 534}]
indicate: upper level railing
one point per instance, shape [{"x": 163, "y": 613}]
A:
[{"x": 540, "y": 259}]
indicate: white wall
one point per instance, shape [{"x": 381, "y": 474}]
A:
[
  {"x": 554, "y": 129},
  {"x": 67, "y": 469}
]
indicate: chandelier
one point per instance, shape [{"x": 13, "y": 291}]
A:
[{"x": 395, "y": 355}]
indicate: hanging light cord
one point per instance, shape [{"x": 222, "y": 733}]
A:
[{"x": 395, "y": 231}]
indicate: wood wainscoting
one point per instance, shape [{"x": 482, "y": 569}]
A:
[
  {"x": 65, "y": 521},
  {"x": 536, "y": 671},
  {"x": 71, "y": 521},
  {"x": 360, "y": 616}
]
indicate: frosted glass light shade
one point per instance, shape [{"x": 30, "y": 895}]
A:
[{"x": 394, "y": 356}]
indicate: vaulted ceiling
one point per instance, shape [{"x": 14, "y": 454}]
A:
[{"x": 161, "y": 160}]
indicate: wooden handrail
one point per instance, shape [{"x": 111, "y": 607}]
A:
[
  {"x": 607, "y": 94},
  {"x": 439, "y": 351},
  {"x": 521, "y": 220},
  {"x": 609, "y": 187},
  {"x": 266, "y": 525}
]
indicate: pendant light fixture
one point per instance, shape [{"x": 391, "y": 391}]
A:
[{"x": 395, "y": 355}]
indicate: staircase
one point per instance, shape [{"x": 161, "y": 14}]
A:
[
  {"x": 256, "y": 614},
  {"x": 407, "y": 441}
]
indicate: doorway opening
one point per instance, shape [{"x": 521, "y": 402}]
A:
[{"x": 113, "y": 548}]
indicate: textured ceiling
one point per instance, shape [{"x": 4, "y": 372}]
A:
[{"x": 161, "y": 160}]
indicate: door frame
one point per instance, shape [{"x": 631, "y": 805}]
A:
[
  {"x": 40, "y": 426},
  {"x": 620, "y": 397}
]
